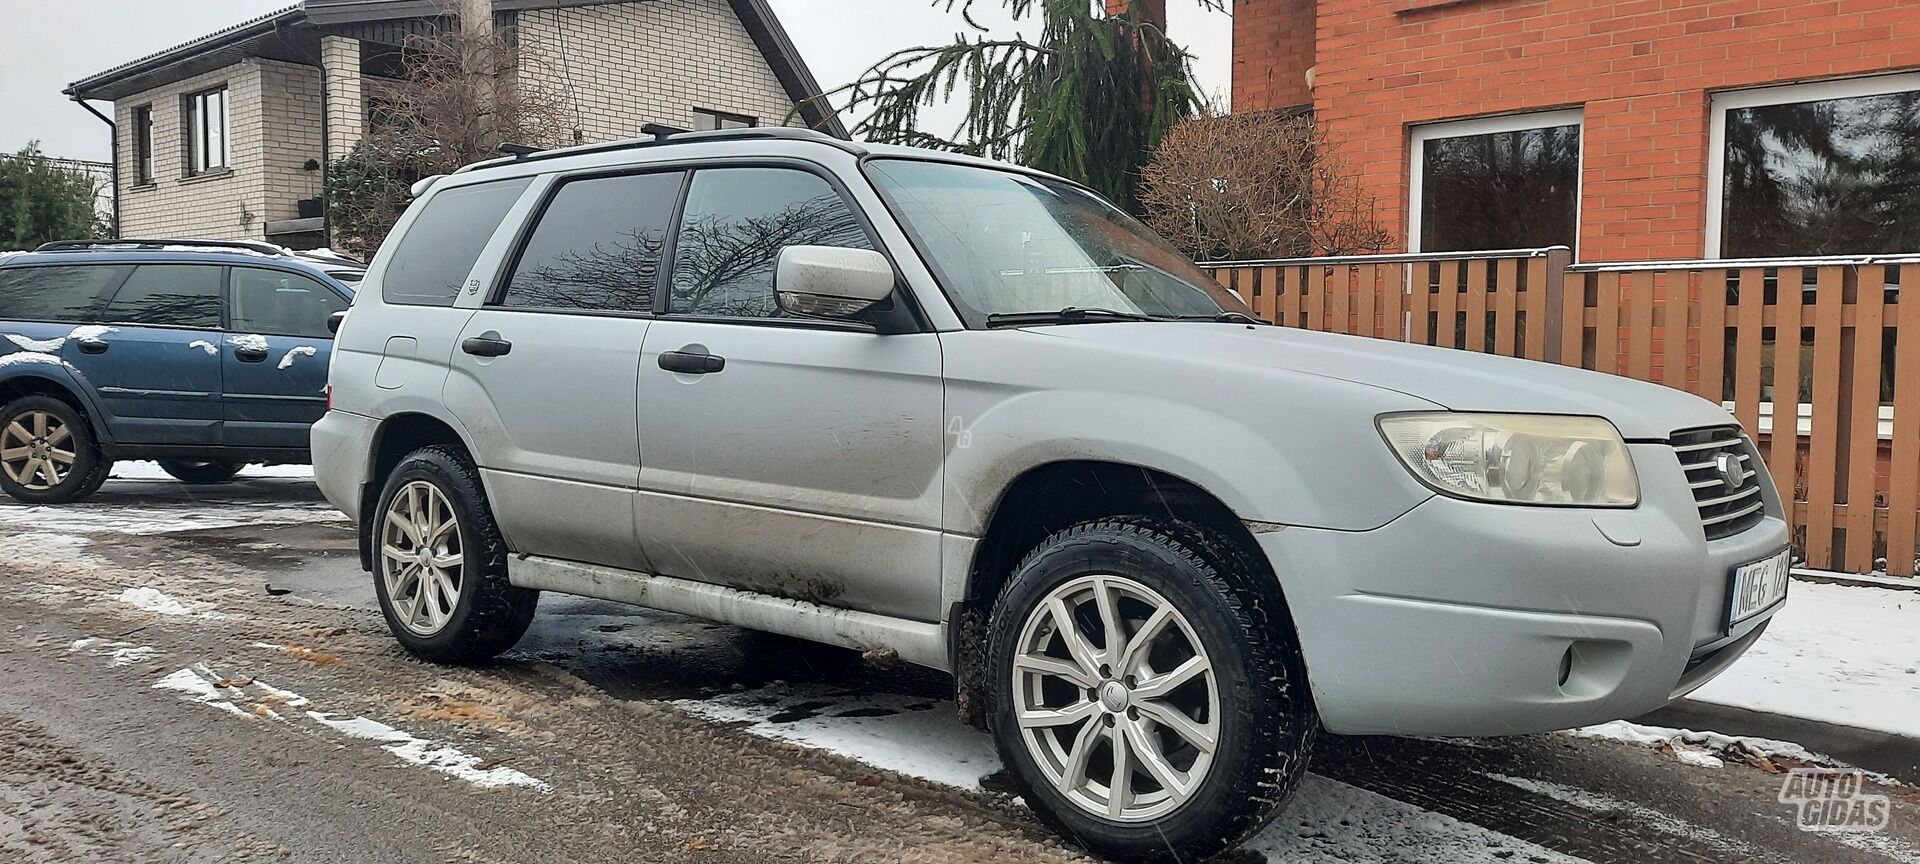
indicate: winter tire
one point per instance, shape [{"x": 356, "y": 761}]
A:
[
  {"x": 202, "y": 473},
  {"x": 47, "y": 452},
  {"x": 1144, "y": 700},
  {"x": 440, "y": 567}
]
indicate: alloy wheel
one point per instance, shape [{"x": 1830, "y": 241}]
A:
[
  {"x": 37, "y": 450},
  {"x": 1116, "y": 698},
  {"x": 422, "y": 557}
]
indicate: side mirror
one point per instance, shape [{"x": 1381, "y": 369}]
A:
[
  {"x": 334, "y": 321},
  {"x": 831, "y": 282}
]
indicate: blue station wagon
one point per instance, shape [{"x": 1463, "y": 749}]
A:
[{"x": 203, "y": 355}]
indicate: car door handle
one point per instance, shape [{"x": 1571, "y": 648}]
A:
[
  {"x": 250, "y": 355},
  {"x": 487, "y": 346},
  {"x": 690, "y": 363},
  {"x": 93, "y": 346}
]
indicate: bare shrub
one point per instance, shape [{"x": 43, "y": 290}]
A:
[
  {"x": 463, "y": 93},
  {"x": 1254, "y": 186}
]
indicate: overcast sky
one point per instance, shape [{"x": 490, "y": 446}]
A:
[{"x": 47, "y": 45}]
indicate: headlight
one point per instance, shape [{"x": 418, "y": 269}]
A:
[{"x": 1517, "y": 458}]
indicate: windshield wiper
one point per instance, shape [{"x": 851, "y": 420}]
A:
[
  {"x": 1069, "y": 315},
  {"x": 1225, "y": 318}
]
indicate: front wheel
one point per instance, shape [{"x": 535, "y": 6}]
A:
[
  {"x": 1144, "y": 700},
  {"x": 440, "y": 566},
  {"x": 47, "y": 452},
  {"x": 202, "y": 473}
]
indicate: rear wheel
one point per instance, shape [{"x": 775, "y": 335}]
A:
[
  {"x": 440, "y": 566},
  {"x": 47, "y": 452},
  {"x": 1144, "y": 701},
  {"x": 202, "y": 473}
]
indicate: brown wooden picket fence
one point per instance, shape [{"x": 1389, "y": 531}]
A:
[{"x": 1845, "y": 439}]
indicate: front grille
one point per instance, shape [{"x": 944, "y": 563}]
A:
[{"x": 1725, "y": 509}]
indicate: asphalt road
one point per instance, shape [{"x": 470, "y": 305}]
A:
[{"x": 201, "y": 676}]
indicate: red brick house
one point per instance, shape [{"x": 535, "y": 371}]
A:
[{"x": 1643, "y": 129}]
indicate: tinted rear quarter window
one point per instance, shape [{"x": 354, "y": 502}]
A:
[
  {"x": 598, "y": 245},
  {"x": 63, "y": 293},
  {"x": 439, "y": 250},
  {"x": 169, "y": 295}
]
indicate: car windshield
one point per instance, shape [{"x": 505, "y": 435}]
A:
[
  {"x": 349, "y": 278},
  {"x": 1006, "y": 245}
]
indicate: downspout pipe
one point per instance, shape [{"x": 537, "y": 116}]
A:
[{"x": 114, "y": 142}]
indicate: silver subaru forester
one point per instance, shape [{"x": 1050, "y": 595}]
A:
[{"x": 976, "y": 416}]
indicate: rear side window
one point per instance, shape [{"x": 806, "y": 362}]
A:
[
  {"x": 598, "y": 245},
  {"x": 436, "y": 254},
  {"x": 65, "y": 294},
  {"x": 737, "y": 222},
  {"x": 169, "y": 295},
  {"x": 279, "y": 303}
]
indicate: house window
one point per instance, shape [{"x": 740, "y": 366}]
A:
[
  {"x": 206, "y": 129},
  {"x": 143, "y": 144},
  {"x": 1496, "y": 183},
  {"x": 708, "y": 121},
  {"x": 1831, "y": 168}
]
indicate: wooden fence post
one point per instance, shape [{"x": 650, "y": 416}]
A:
[{"x": 1558, "y": 258}]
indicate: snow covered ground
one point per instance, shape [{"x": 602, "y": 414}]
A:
[
  {"x": 1836, "y": 654},
  {"x": 151, "y": 471}
]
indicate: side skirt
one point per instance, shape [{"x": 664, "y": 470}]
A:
[{"x": 916, "y": 642}]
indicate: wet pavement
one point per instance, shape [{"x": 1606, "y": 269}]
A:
[{"x": 201, "y": 674}]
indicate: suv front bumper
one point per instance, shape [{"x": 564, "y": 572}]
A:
[{"x": 1470, "y": 619}]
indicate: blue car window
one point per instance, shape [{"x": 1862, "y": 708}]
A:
[
  {"x": 67, "y": 294},
  {"x": 169, "y": 295},
  {"x": 279, "y": 303}
]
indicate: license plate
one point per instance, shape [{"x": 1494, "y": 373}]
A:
[{"x": 1759, "y": 585}]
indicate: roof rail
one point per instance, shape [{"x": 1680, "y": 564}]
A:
[
  {"x": 254, "y": 246},
  {"x": 661, "y": 136}
]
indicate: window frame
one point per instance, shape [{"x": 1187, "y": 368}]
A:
[
  {"x": 496, "y": 296},
  {"x": 144, "y": 167},
  {"x": 1719, "y": 103},
  {"x": 220, "y": 296},
  {"x": 197, "y": 132},
  {"x": 721, "y": 118},
  {"x": 662, "y": 297},
  {"x": 1420, "y": 134},
  {"x": 227, "y": 294}
]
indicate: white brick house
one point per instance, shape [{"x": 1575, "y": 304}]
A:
[{"x": 228, "y": 136}]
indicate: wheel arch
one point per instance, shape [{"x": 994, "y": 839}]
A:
[
  {"x": 397, "y": 435},
  {"x": 59, "y": 383},
  {"x": 1048, "y": 497}
]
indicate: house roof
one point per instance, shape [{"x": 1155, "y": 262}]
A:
[{"x": 292, "y": 34}]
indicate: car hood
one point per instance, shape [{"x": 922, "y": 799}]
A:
[{"x": 1457, "y": 380}]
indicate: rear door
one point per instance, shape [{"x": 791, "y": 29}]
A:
[
  {"x": 274, "y": 358},
  {"x": 547, "y": 369},
  {"x": 155, "y": 360}
]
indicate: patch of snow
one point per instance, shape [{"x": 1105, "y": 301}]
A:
[
  {"x": 196, "y": 684},
  {"x": 23, "y": 358},
  {"x": 443, "y": 758},
  {"x": 149, "y": 521},
  {"x": 153, "y": 471},
  {"x": 117, "y": 653},
  {"x": 1332, "y": 821},
  {"x": 1837, "y": 654},
  {"x": 1326, "y": 821},
  {"x": 153, "y": 600},
  {"x": 37, "y": 346},
  {"x": 922, "y": 743},
  {"x": 255, "y": 698},
  {"x": 204, "y": 345},
  {"x": 248, "y": 341},
  {"x": 1710, "y": 749},
  {"x": 1636, "y": 814},
  {"x": 286, "y": 360},
  {"x": 91, "y": 331}
]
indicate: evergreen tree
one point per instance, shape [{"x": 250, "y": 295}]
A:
[
  {"x": 42, "y": 200},
  {"x": 1089, "y": 99}
]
